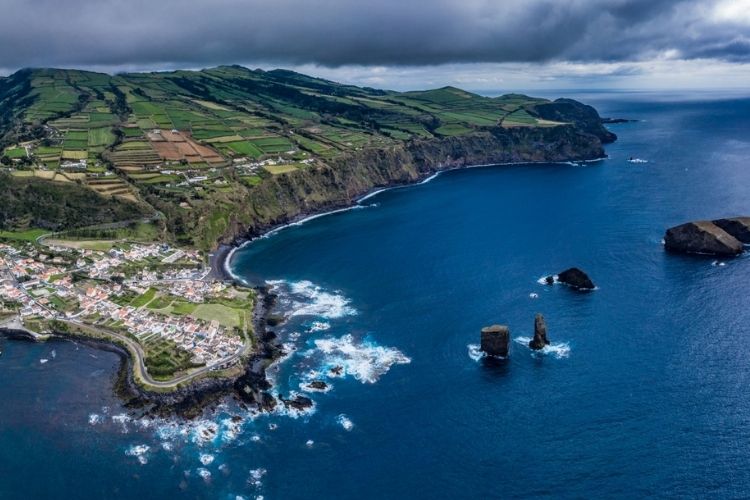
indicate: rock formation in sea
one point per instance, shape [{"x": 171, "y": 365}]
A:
[
  {"x": 739, "y": 227},
  {"x": 298, "y": 403},
  {"x": 495, "y": 340},
  {"x": 576, "y": 278},
  {"x": 317, "y": 385},
  {"x": 540, "y": 333},
  {"x": 704, "y": 237}
]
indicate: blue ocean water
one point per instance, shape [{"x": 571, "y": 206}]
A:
[{"x": 644, "y": 393}]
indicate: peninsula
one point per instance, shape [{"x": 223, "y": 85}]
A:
[{"x": 121, "y": 194}]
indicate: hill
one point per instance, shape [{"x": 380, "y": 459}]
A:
[{"x": 228, "y": 150}]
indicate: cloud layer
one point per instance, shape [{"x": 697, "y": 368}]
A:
[{"x": 139, "y": 33}]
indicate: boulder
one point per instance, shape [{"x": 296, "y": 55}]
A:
[
  {"x": 576, "y": 278},
  {"x": 540, "y": 333},
  {"x": 739, "y": 227},
  {"x": 317, "y": 385},
  {"x": 701, "y": 237},
  {"x": 336, "y": 371},
  {"x": 495, "y": 340},
  {"x": 299, "y": 403},
  {"x": 274, "y": 319}
]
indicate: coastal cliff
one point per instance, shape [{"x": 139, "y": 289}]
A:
[{"x": 281, "y": 199}]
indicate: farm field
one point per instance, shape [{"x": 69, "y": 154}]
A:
[{"x": 195, "y": 145}]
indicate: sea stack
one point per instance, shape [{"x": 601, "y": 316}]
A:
[
  {"x": 703, "y": 237},
  {"x": 495, "y": 340},
  {"x": 576, "y": 278},
  {"x": 540, "y": 333}
]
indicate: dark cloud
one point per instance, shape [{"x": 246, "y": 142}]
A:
[{"x": 118, "y": 34}]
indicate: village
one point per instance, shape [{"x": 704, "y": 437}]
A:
[{"x": 157, "y": 295}]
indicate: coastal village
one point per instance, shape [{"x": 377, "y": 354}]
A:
[{"x": 161, "y": 297}]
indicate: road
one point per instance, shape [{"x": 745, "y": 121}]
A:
[{"x": 140, "y": 367}]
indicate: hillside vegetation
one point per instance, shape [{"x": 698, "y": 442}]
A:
[{"x": 207, "y": 148}]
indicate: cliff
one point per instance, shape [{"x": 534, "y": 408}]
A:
[{"x": 340, "y": 183}]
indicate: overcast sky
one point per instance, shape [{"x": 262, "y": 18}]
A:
[{"x": 400, "y": 44}]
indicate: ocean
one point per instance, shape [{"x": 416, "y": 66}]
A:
[{"x": 643, "y": 391}]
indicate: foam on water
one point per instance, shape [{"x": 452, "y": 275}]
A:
[
  {"x": 282, "y": 410},
  {"x": 139, "y": 451},
  {"x": 363, "y": 360},
  {"x": 255, "y": 476},
  {"x": 43, "y": 360},
  {"x": 308, "y": 219},
  {"x": 558, "y": 350},
  {"x": 122, "y": 419},
  {"x": 230, "y": 430},
  {"x": 345, "y": 422},
  {"x": 204, "y": 432},
  {"x": 95, "y": 419},
  {"x": 318, "y": 326},
  {"x": 308, "y": 299},
  {"x": 370, "y": 195},
  {"x": 206, "y": 458},
  {"x": 432, "y": 177},
  {"x": 475, "y": 352},
  {"x": 204, "y": 473}
]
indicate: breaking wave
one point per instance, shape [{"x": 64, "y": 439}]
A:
[
  {"x": 363, "y": 360},
  {"x": 558, "y": 350},
  {"x": 475, "y": 352},
  {"x": 345, "y": 422},
  {"x": 308, "y": 299},
  {"x": 139, "y": 451}
]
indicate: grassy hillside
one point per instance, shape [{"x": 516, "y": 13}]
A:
[{"x": 196, "y": 145}]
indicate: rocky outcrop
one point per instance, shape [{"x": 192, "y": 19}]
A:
[
  {"x": 317, "y": 385},
  {"x": 701, "y": 237},
  {"x": 584, "y": 117},
  {"x": 298, "y": 403},
  {"x": 576, "y": 278},
  {"x": 540, "y": 333},
  {"x": 495, "y": 340},
  {"x": 739, "y": 227}
]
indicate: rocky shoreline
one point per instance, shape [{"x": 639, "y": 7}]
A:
[
  {"x": 192, "y": 400},
  {"x": 356, "y": 178},
  {"x": 251, "y": 387}
]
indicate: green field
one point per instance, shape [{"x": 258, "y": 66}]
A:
[
  {"x": 145, "y": 298},
  {"x": 23, "y": 235},
  {"x": 226, "y": 316},
  {"x": 15, "y": 152},
  {"x": 280, "y": 169},
  {"x": 244, "y": 148}
]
